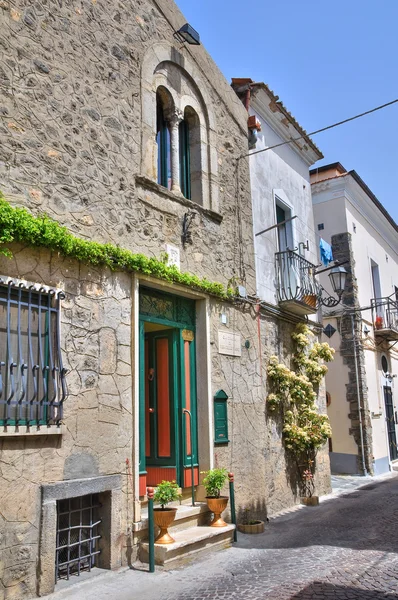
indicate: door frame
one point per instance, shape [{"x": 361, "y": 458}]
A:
[
  {"x": 177, "y": 325},
  {"x": 390, "y": 430}
]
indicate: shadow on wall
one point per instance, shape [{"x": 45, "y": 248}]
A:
[
  {"x": 252, "y": 511},
  {"x": 324, "y": 589}
]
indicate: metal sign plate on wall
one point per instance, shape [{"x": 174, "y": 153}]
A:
[
  {"x": 187, "y": 335},
  {"x": 229, "y": 343}
]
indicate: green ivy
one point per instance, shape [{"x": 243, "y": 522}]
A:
[{"x": 18, "y": 225}]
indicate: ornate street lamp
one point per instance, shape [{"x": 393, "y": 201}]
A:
[{"x": 337, "y": 276}]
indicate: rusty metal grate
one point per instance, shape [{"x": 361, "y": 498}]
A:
[{"x": 77, "y": 535}]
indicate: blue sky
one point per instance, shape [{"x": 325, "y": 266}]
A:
[{"x": 327, "y": 61}]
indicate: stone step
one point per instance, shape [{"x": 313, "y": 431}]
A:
[
  {"x": 187, "y": 516},
  {"x": 189, "y": 544}
]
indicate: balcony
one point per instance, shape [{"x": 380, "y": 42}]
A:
[
  {"x": 385, "y": 318},
  {"x": 298, "y": 290}
]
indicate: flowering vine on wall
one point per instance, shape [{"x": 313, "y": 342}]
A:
[{"x": 293, "y": 393}]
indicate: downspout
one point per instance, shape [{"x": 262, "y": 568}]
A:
[{"x": 358, "y": 396}]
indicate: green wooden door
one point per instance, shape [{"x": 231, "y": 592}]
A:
[{"x": 168, "y": 436}]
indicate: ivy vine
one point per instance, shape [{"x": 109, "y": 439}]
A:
[
  {"x": 18, "y": 225},
  {"x": 293, "y": 393}
]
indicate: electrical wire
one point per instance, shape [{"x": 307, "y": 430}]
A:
[{"x": 300, "y": 137}]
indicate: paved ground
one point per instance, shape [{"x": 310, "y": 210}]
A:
[{"x": 347, "y": 548}]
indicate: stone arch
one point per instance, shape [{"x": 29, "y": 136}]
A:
[{"x": 164, "y": 66}]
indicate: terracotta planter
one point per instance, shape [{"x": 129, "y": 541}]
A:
[
  {"x": 310, "y": 501},
  {"x": 217, "y": 506},
  {"x": 163, "y": 518},
  {"x": 257, "y": 527},
  {"x": 310, "y": 300}
]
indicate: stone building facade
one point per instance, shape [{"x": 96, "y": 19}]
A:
[{"x": 98, "y": 100}]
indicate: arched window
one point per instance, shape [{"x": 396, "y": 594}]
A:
[
  {"x": 190, "y": 156},
  {"x": 163, "y": 139}
]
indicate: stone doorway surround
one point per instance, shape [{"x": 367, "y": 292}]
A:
[
  {"x": 203, "y": 374},
  {"x": 109, "y": 488}
]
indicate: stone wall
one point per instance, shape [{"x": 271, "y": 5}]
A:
[
  {"x": 72, "y": 123},
  {"x": 265, "y": 476},
  {"x": 97, "y": 424}
]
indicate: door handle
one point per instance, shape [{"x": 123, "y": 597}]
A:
[{"x": 151, "y": 410}]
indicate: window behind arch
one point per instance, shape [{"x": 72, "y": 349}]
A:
[
  {"x": 163, "y": 142},
  {"x": 185, "y": 159},
  {"x": 191, "y": 175}
]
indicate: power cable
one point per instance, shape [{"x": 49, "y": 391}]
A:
[{"x": 300, "y": 137}]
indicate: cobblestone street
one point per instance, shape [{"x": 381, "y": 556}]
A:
[{"x": 347, "y": 548}]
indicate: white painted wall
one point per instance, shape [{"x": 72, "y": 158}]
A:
[
  {"x": 342, "y": 205},
  {"x": 336, "y": 381},
  {"x": 281, "y": 172}
]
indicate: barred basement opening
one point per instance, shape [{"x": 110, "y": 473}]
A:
[{"x": 78, "y": 526}]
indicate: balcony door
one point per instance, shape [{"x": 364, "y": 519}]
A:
[{"x": 285, "y": 230}]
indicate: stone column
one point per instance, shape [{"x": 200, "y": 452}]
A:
[{"x": 175, "y": 119}]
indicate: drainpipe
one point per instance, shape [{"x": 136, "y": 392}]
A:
[{"x": 358, "y": 397}]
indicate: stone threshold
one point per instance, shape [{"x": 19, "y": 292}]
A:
[{"x": 189, "y": 543}]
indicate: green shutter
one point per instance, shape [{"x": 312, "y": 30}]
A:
[{"x": 221, "y": 418}]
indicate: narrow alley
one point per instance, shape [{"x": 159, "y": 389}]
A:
[{"x": 346, "y": 548}]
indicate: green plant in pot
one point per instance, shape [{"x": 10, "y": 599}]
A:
[
  {"x": 213, "y": 482},
  {"x": 166, "y": 492}
]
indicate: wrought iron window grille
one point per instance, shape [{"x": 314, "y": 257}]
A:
[
  {"x": 32, "y": 376},
  {"x": 77, "y": 535}
]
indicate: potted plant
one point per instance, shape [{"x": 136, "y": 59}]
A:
[
  {"x": 308, "y": 486},
  {"x": 249, "y": 525},
  {"x": 214, "y": 481},
  {"x": 166, "y": 492},
  {"x": 379, "y": 322}
]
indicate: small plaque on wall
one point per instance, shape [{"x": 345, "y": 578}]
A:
[
  {"x": 229, "y": 343},
  {"x": 173, "y": 254}
]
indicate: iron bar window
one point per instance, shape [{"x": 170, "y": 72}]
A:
[
  {"x": 77, "y": 535},
  {"x": 32, "y": 377}
]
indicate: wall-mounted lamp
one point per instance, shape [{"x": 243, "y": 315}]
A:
[
  {"x": 337, "y": 276},
  {"x": 366, "y": 330},
  {"x": 187, "y": 34}
]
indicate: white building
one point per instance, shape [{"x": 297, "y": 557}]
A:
[
  {"x": 281, "y": 190},
  {"x": 361, "y": 380}
]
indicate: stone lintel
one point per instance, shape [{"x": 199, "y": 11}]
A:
[{"x": 73, "y": 488}]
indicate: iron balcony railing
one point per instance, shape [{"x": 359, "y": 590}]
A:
[
  {"x": 32, "y": 377},
  {"x": 385, "y": 313},
  {"x": 296, "y": 279}
]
